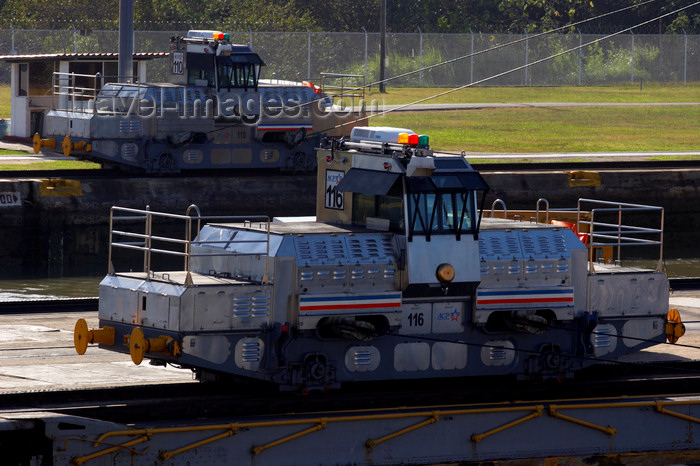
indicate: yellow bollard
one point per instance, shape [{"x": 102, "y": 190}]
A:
[
  {"x": 82, "y": 336},
  {"x": 38, "y": 143}
]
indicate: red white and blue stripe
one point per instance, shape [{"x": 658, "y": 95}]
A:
[
  {"x": 284, "y": 126},
  {"x": 525, "y": 297},
  {"x": 346, "y": 304}
]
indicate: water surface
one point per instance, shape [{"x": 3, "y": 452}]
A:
[
  {"x": 75, "y": 287},
  {"x": 49, "y": 288}
]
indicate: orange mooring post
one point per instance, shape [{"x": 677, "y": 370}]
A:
[
  {"x": 38, "y": 143},
  {"x": 139, "y": 345},
  {"x": 82, "y": 336},
  {"x": 69, "y": 146},
  {"x": 674, "y": 327}
]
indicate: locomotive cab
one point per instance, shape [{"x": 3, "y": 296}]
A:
[{"x": 428, "y": 202}]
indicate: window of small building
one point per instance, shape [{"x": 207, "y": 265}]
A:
[
  {"x": 23, "y": 79},
  {"x": 40, "y": 78},
  {"x": 84, "y": 79},
  {"x": 111, "y": 73}
]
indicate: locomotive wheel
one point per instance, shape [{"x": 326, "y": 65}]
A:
[
  {"x": 137, "y": 345},
  {"x": 317, "y": 370},
  {"x": 303, "y": 162},
  {"x": 351, "y": 329},
  {"x": 166, "y": 164},
  {"x": 553, "y": 360},
  {"x": 531, "y": 324}
]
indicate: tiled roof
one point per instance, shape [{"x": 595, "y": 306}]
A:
[{"x": 82, "y": 56}]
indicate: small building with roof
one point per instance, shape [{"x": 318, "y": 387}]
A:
[{"x": 39, "y": 81}]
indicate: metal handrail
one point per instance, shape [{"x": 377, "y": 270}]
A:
[
  {"x": 537, "y": 210},
  {"x": 334, "y": 91},
  {"x": 493, "y": 207},
  {"x": 64, "y": 85},
  {"x": 620, "y": 234},
  {"x": 148, "y": 238}
]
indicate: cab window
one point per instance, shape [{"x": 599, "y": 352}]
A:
[
  {"x": 388, "y": 207},
  {"x": 440, "y": 213}
]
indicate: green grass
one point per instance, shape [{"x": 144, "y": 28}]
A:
[
  {"x": 529, "y": 130},
  {"x": 615, "y": 94},
  {"x": 13, "y": 152},
  {"x": 5, "y": 101},
  {"x": 676, "y": 157},
  {"x": 50, "y": 165},
  {"x": 525, "y": 159},
  {"x": 587, "y": 129}
]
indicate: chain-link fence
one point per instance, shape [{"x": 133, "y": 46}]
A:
[{"x": 479, "y": 58}]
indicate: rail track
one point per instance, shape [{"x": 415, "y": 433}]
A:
[
  {"x": 485, "y": 167},
  {"x": 113, "y": 173},
  {"x": 53, "y": 305},
  {"x": 213, "y": 424},
  {"x": 172, "y": 401}
]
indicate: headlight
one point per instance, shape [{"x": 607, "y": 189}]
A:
[{"x": 445, "y": 273}]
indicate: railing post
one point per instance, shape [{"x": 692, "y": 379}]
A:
[
  {"x": 266, "y": 277},
  {"x": 72, "y": 92},
  {"x": 590, "y": 237},
  {"x": 591, "y": 242},
  {"x": 110, "y": 266},
  {"x": 188, "y": 235},
  {"x": 619, "y": 233},
  {"x": 147, "y": 250},
  {"x": 188, "y": 240},
  {"x": 546, "y": 216},
  {"x": 660, "y": 265},
  {"x": 578, "y": 218},
  {"x": 98, "y": 81}
]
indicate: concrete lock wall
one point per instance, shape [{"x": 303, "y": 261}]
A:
[
  {"x": 677, "y": 191},
  {"x": 60, "y": 227}
]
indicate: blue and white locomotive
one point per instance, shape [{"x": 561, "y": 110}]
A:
[
  {"x": 399, "y": 275},
  {"x": 215, "y": 112}
]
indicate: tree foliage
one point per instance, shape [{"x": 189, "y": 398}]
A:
[
  {"x": 542, "y": 15},
  {"x": 431, "y": 16}
]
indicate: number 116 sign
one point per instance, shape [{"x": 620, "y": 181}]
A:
[{"x": 334, "y": 198}]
